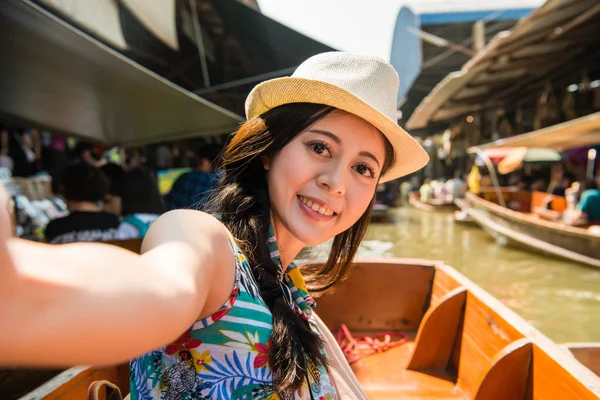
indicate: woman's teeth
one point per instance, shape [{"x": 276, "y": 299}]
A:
[{"x": 316, "y": 207}]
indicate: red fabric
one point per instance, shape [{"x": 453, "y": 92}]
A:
[{"x": 356, "y": 347}]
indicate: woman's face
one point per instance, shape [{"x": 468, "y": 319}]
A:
[{"x": 322, "y": 182}]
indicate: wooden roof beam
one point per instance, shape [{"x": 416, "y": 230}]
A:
[
  {"x": 542, "y": 49},
  {"x": 547, "y": 22},
  {"x": 561, "y": 30},
  {"x": 521, "y": 37}
]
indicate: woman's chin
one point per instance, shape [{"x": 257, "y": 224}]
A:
[{"x": 312, "y": 238}]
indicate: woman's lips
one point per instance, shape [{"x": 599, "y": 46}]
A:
[{"x": 315, "y": 215}]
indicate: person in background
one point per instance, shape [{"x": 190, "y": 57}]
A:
[
  {"x": 85, "y": 152},
  {"x": 163, "y": 157},
  {"x": 193, "y": 188},
  {"x": 5, "y": 160},
  {"x": 589, "y": 201},
  {"x": 141, "y": 203},
  {"x": 587, "y": 209},
  {"x": 112, "y": 200},
  {"x": 539, "y": 185},
  {"x": 563, "y": 184},
  {"x": 85, "y": 187},
  {"x": 426, "y": 190},
  {"x": 21, "y": 151}
]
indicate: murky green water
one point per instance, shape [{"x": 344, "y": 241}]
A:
[{"x": 559, "y": 298}]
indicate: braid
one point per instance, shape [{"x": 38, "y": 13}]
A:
[{"x": 245, "y": 210}]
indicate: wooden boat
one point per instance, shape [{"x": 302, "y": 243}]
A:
[
  {"x": 586, "y": 353},
  {"x": 518, "y": 224},
  {"x": 380, "y": 212},
  {"x": 462, "y": 215},
  {"x": 414, "y": 199},
  {"x": 462, "y": 343}
]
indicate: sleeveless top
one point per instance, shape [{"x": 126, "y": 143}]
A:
[{"x": 225, "y": 356}]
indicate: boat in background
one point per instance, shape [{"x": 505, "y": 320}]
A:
[
  {"x": 462, "y": 215},
  {"x": 461, "y": 343},
  {"x": 380, "y": 213},
  {"x": 431, "y": 205},
  {"x": 518, "y": 224},
  {"x": 519, "y": 217}
]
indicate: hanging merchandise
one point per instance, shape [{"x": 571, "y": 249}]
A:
[
  {"x": 35, "y": 204},
  {"x": 585, "y": 95},
  {"x": 519, "y": 119},
  {"x": 505, "y": 129},
  {"x": 547, "y": 109},
  {"x": 568, "y": 106}
]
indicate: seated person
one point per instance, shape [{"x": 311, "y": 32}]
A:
[
  {"x": 589, "y": 202},
  {"x": 193, "y": 188},
  {"x": 563, "y": 184},
  {"x": 141, "y": 203},
  {"x": 588, "y": 207},
  {"x": 85, "y": 187},
  {"x": 112, "y": 201}
]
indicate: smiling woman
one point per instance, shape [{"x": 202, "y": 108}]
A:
[{"x": 215, "y": 307}]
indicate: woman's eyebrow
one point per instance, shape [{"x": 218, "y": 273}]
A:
[
  {"x": 336, "y": 139},
  {"x": 328, "y": 134},
  {"x": 369, "y": 155}
]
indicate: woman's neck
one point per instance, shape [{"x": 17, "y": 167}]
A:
[
  {"x": 83, "y": 206},
  {"x": 289, "y": 246}
]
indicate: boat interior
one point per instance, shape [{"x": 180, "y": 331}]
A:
[{"x": 462, "y": 343}]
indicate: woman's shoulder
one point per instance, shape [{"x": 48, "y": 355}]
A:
[{"x": 187, "y": 224}]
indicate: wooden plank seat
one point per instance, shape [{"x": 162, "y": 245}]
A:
[
  {"x": 418, "y": 369},
  {"x": 512, "y": 364}
]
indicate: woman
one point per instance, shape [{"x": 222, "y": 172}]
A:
[
  {"x": 223, "y": 290},
  {"x": 141, "y": 204}
]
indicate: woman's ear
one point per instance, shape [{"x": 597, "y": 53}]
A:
[{"x": 266, "y": 161}]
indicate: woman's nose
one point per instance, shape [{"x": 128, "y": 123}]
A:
[{"x": 333, "y": 180}]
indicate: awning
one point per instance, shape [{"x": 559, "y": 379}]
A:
[
  {"x": 102, "y": 17},
  {"x": 434, "y": 63},
  {"x": 580, "y": 132},
  {"x": 515, "y": 64},
  {"x": 55, "y": 77}
]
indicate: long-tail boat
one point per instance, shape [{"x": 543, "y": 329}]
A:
[
  {"x": 516, "y": 221},
  {"x": 460, "y": 342},
  {"x": 414, "y": 199}
]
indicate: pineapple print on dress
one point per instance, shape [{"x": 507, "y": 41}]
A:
[{"x": 180, "y": 380}]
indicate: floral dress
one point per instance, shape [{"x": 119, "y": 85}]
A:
[{"x": 225, "y": 356}]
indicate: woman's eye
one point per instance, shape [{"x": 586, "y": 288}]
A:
[
  {"x": 319, "y": 148},
  {"x": 365, "y": 170}
]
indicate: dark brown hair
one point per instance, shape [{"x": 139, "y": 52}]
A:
[
  {"x": 242, "y": 201},
  {"x": 140, "y": 194},
  {"x": 84, "y": 182}
]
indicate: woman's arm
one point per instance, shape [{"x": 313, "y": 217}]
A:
[{"x": 98, "y": 304}]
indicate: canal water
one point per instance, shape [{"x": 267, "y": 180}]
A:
[{"x": 560, "y": 298}]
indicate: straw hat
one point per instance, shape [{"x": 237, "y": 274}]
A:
[{"x": 365, "y": 86}]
